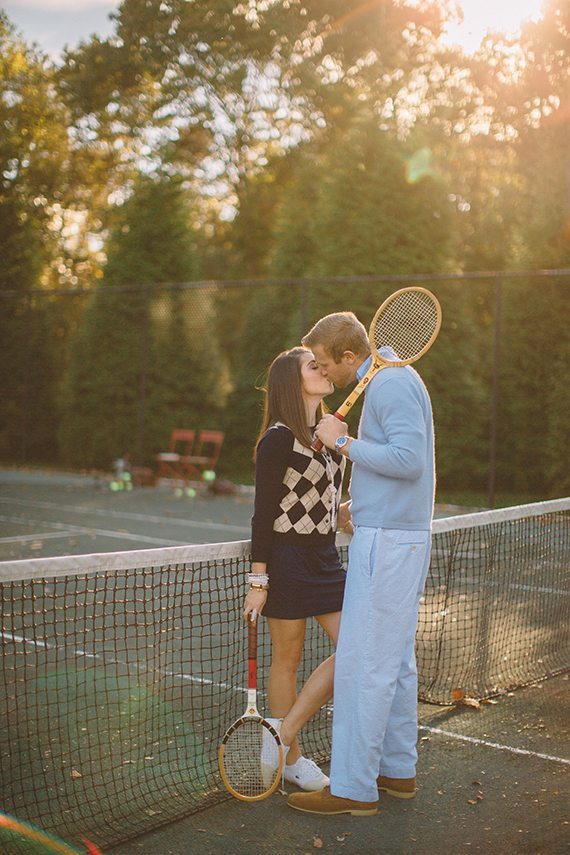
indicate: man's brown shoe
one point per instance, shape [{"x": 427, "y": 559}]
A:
[
  {"x": 324, "y": 802},
  {"x": 401, "y": 788}
]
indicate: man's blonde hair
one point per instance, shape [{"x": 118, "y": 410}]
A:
[{"x": 338, "y": 333}]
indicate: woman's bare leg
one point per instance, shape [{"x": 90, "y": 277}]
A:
[
  {"x": 287, "y": 640},
  {"x": 317, "y": 690}
]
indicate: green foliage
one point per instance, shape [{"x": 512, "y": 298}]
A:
[
  {"x": 32, "y": 152},
  {"x": 349, "y": 143},
  {"x": 141, "y": 364}
]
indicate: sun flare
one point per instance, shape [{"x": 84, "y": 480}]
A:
[{"x": 482, "y": 16}]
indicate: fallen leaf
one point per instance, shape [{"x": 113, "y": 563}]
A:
[
  {"x": 457, "y": 694},
  {"x": 317, "y": 843},
  {"x": 75, "y": 774},
  {"x": 471, "y": 702},
  {"x": 471, "y": 801},
  {"x": 489, "y": 701}
]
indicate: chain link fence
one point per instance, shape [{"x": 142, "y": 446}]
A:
[{"x": 90, "y": 376}]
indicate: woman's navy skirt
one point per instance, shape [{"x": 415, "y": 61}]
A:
[{"x": 304, "y": 581}]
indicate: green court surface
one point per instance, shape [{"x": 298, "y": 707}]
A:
[
  {"x": 493, "y": 779},
  {"x": 120, "y": 682},
  {"x": 44, "y": 514}
]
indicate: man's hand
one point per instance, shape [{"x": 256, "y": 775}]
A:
[{"x": 330, "y": 428}]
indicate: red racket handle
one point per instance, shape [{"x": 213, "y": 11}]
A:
[
  {"x": 316, "y": 444},
  {"x": 252, "y": 653},
  {"x": 252, "y": 638}
]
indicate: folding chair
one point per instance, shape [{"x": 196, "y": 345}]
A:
[
  {"x": 208, "y": 448},
  {"x": 170, "y": 463}
]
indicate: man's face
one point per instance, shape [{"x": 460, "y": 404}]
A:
[{"x": 341, "y": 373}]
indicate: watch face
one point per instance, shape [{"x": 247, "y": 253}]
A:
[{"x": 341, "y": 441}]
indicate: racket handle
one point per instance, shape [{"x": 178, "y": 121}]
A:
[
  {"x": 252, "y": 639},
  {"x": 316, "y": 444},
  {"x": 252, "y": 657}
]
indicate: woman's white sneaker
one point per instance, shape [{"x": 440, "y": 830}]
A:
[
  {"x": 270, "y": 753},
  {"x": 305, "y": 774}
]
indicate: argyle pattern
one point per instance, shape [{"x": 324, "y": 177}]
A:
[{"x": 307, "y": 504}]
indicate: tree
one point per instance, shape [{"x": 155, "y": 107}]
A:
[
  {"x": 144, "y": 360},
  {"x": 33, "y": 149}
]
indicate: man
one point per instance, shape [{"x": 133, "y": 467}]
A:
[{"x": 391, "y": 504}]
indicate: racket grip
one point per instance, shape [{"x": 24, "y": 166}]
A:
[
  {"x": 252, "y": 639},
  {"x": 316, "y": 444}
]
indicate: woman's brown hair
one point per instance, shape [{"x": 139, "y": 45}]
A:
[{"x": 284, "y": 398}]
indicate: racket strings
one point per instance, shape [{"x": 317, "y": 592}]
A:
[
  {"x": 242, "y": 759},
  {"x": 407, "y": 325}
]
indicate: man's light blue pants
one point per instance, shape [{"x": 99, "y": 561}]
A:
[{"x": 375, "y": 683}]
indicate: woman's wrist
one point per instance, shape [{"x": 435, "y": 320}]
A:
[{"x": 258, "y": 580}]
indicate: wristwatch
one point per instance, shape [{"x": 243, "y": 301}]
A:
[{"x": 340, "y": 442}]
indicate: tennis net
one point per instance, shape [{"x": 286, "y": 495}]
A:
[{"x": 121, "y": 671}]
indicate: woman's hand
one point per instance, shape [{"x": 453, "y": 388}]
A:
[{"x": 254, "y": 602}]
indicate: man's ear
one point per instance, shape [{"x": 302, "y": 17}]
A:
[{"x": 348, "y": 357}]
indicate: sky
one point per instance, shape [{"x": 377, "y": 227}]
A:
[{"x": 52, "y": 24}]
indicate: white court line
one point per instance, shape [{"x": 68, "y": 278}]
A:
[
  {"x": 484, "y": 583},
  {"x": 462, "y": 738},
  {"x": 128, "y": 515},
  {"x": 205, "y": 681},
  {"x": 43, "y": 536},
  {"x": 46, "y": 645},
  {"x": 76, "y": 529}
]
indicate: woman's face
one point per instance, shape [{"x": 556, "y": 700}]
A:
[{"x": 313, "y": 383}]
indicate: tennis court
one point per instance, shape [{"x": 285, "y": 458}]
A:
[
  {"x": 493, "y": 779},
  {"x": 122, "y": 670},
  {"x": 43, "y": 514}
]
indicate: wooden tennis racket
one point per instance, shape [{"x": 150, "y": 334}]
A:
[
  {"x": 251, "y": 753},
  {"x": 407, "y": 322}
]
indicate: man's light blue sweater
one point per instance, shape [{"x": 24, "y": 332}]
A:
[{"x": 393, "y": 474}]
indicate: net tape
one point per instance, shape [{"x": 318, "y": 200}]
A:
[{"x": 121, "y": 671}]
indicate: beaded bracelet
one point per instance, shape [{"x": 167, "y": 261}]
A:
[{"x": 255, "y": 578}]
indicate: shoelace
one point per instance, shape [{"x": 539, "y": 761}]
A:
[
  {"x": 311, "y": 765},
  {"x": 308, "y": 765}
]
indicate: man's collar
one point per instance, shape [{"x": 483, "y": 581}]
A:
[
  {"x": 386, "y": 352},
  {"x": 362, "y": 369}
]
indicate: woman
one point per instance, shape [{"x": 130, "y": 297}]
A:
[{"x": 296, "y": 570}]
